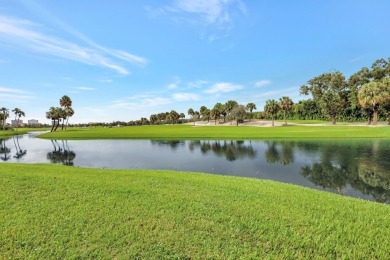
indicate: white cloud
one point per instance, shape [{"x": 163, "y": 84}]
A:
[
  {"x": 85, "y": 88},
  {"x": 223, "y": 87},
  {"x": 209, "y": 11},
  {"x": 11, "y": 90},
  {"x": 262, "y": 83},
  {"x": 25, "y": 34},
  {"x": 141, "y": 102},
  {"x": 185, "y": 97},
  {"x": 195, "y": 84}
]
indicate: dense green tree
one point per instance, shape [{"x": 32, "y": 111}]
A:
[
  {"x": 329, "y": 90},
  {"x": 271, "y": 108},
  {"x": 380, "y": 69},
  {"x": 153, "y": 119},
  {"x": 286, "y": 105},
  {"x": 386, "y": 103},
  {"x": 229, "y": 106},
  {"x": 238, "y": 113}
]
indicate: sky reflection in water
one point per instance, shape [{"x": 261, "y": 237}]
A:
[{"x": 356, "y": 167}]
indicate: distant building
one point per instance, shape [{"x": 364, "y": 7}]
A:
[
  {"x": 16, "y": 122},
  {"x": 32, "y": 122}
]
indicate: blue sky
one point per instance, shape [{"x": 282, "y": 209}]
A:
[{"x": 123, "y": 60}]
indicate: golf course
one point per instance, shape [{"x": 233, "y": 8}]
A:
[{"x": 54, "y": 211}]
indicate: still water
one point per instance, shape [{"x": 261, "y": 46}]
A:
[{"x": 356, "y": 167}]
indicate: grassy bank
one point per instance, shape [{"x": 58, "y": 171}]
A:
[
  {"x": 221, "y": 132},
  {"x": 50, "y": 211},
  {"x": 19, "y": 131}
]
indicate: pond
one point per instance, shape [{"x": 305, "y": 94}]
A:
[{"x": 356, "y": 167}]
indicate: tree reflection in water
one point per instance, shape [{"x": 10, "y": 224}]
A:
[
  {"x": 231, "y": 150},
  {"x": 4, "y": 151},
  {"x": 174, "y": 144},
  {"x": 280, "y": 152},
  {"x": 19, "y": 151},
  {"x": 344, "y": 163},
  {"x": 61, "y": 154}
]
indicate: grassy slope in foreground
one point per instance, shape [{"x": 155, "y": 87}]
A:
[
  {"x": 50, "y": 211},
  {"x": 221, "y": 132}
]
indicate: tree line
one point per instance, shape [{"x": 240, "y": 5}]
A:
[{"x": 365, "y": 95}]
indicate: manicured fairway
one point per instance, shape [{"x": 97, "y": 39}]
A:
[
  {"x": 221, "y": 132},
  {"x": 58, "y": 212}
]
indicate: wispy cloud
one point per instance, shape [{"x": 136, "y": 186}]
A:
[
  {"x": 16, "y": 95},
  {"x": 185, "y": 97},
  {"x": 85, "y": 88},
  {"x": 262, "y": 83},
  {"x": 175, "y": 83},
  {"x": 215, "y": 18},
  {"x": 12, "y": 90},
  {"x": 146, "y": 102},
  {"x": 30, "y": 36},
  {"x": 209, "y": 11},
  {"x": 223, "y": 87}
]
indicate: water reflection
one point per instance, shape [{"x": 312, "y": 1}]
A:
[
  {"x": 231, "y": 150},
  {"x": 19, "y": 151},
  {"x": 358, "y": 168},
  {"x": 5, "y": 152},
  {"x": 341, "y": 164},
  {"x": 280, "y": 152},
  {"x": 61, "y": 153}
]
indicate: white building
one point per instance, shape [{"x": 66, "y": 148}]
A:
[{"x": 33, "y": 122}]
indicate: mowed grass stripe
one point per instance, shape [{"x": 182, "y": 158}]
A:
[
  {"x": 221, "y": 132},
  {"x": 50, "y": 211}
]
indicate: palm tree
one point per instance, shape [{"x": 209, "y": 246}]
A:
[
  {"x": 205, "y": 112},
  {"x": 191, "y": 113},
  {"x": 370, "y": 96},
  {"x": 214, "y": 114},
  {"x": 251, "y": 106},
  {"x": 174, "y": 116},
  {"x": 51, "y": 115},
  {"x": 286, "y": 104},
  {"x": 229, "y": 105},
  {"x": 4, "y": 114},
  {"x": 66, "y": 102},
  {"x": 219, "y": 110},
  {"x": 385, "y": 85},
  {"x": 271, "y": 107},
  {"x": 69, "y": 112},
  {"x": 18, "y": 113}
]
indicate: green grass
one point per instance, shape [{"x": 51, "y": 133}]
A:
[
  {"x": 58, "y": 212},
  {"x": 19, "y": 131},
  {"x": 221, "y": 132}
]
